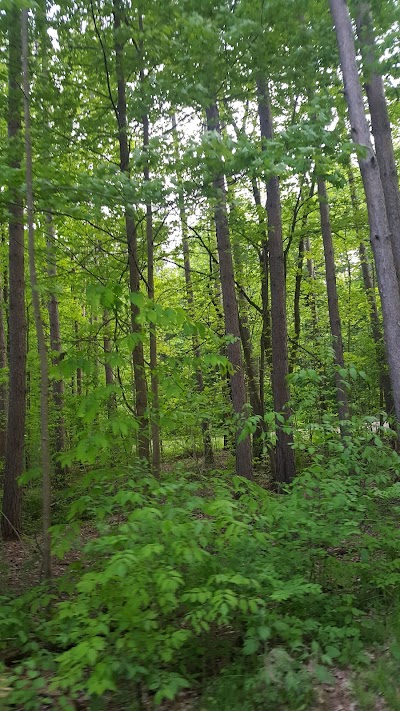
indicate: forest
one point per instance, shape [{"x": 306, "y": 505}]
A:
[{"x": 199, "y": 355}]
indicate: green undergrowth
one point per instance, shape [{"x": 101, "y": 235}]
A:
[{"x": 217, "y": 585}]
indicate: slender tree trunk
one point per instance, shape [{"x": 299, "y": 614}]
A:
[
  {"x": 55, "y": 342},
  {"x": 79, "y": 369},
  {"x": 11, "y": 520},
  {"x": 44, "y": 367},
  {"x": 238, "y": 390},
  {"x": 299, "y": 276},
  {"x": 253, "y": 386},
  {"x": 3, "y": 365},
  {"x": 380, "y": 126},
  {"x": 333, "y": 301},
  {"x": 378, "y": 221},
  {"x": 131, "y": 236},
  {"x": 285, "y": 464},
  {"x": 265, "y": 341},
  {"x": 108, "y": 371},
  {"x": 155, "y": 405},
  {"x": 372, "y": 305},
  {"x": 205, "y": 426}
]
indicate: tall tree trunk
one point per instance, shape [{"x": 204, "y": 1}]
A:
[
  {"x": 380, "y": 125},
  {"x": 265, "y": 341},
  {"x": 44, "y": 366},
  {"x": 297, "y": 290},
  {"x": 155, "y": 405},
  {"x": 238, "y": 390},
  {"x": 285, "y": 464},
  {"x": 205, "y": 426},
  {"x": 79, "y": 369},
  {"x": 333, "y": 301},
  {"x": 378, "y": 221},
  {"x": 3, "y": 365},
  {"x": 11, "y": 520},
  {"x": 131, "y": 236},
  {"x": 253, "y": 386},
  {"x": 55, "y": 342},
  {"x": 372, "y": 305},
  {"x": 108, "y": 371}
]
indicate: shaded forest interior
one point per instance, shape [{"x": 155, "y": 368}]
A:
[{"x": 200, "y": 355}]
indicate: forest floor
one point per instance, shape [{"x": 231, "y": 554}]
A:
[
  {"x": 21, "y": 562},
  {"x": 20, "y": 570}
]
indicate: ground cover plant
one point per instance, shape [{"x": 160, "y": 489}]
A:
[{"x": 199, "y": 355}]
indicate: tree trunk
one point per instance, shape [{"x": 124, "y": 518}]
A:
[
  {"x": 303, "y": 244},
  {"x": 265, "y": 341},
  {"x": 131, "y": 236},
  {"x": 205, "y": 427},
  {"x": 285, "y": 464},
  {"x": 333, "y": 302},
  {"x": 372, "y": 305},
  {"x": 79, "y": 369},
  {"x": 155, "y": 405},
  {"x": 11, "y": 520},
  {"x": 380, "y": 126},
  {"x": 55, "y": 342},
  {"x": 108, "y": 371},
  {"x": 253, "y": 386},
  {"x": 375, "y": 197},
  {"x": 238, "y": 390},
  {"x": 3, "y": 365},
  {"x": 44, "y": 366}
]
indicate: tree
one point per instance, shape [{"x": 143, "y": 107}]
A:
[
  {"x": 380, "y": 125},
  {"x": 131, "y": 237},
  {"x": 375, "y": 197},
  {"x": 11, "y": 520},
  {"x": 333, "y": 302},
  {"x": 285, "y": 465},
  {"x": 231, "y": 315},
  {"x": 40, "y": 335}
]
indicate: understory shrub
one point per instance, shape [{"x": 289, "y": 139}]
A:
[{"x": 181, "y": 579}]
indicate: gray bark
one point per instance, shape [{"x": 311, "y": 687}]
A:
[
  {"x": 55, "y": 341},
  {"x": 333, "y": 301},
  {"x": 381, "y": 128},
  {"x": 131, "y": 237},
  {"x": 11, "y": 519},
  {"x": 375, "y": 197},
  {"x": 231, "y": 315},
  {"x": 155, "y": 405},
  {"x": 376, "y": 327},
  {"x": 3, "y": 365},
  {"x": 285, "y": 464},
  {"x": 42, "y": 348}
]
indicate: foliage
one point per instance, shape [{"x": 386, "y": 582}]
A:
[{"x": 181, "y": 577}]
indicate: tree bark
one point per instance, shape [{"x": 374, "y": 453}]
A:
[
  {"x": 131, "y": 237},
  {"x": 285, "y": 464},
  {"x": 44, "y": 366},
  {"x": 253, "y": 386},
  {"x": 205, "y": 426},
  {"x": 155, "y": 405},
  {"x": 3, "y": 365},
  {"x": 55, "y": 343},
  {"x": 375, "y": 197},
  {"x": 108, "y": 371},
  {"x": 265, "y": 341},
  {"x": 333, "y": 302},
  {"x": 303, "y": 244},
  {"x": 11, "y": 520},
  {"x": 380, "y": 126},
  {"x": 231, "y": 315},
  {"x": 376, "y": 328}
]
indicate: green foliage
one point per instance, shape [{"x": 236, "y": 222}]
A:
[{"x": 183, "y": 575}]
